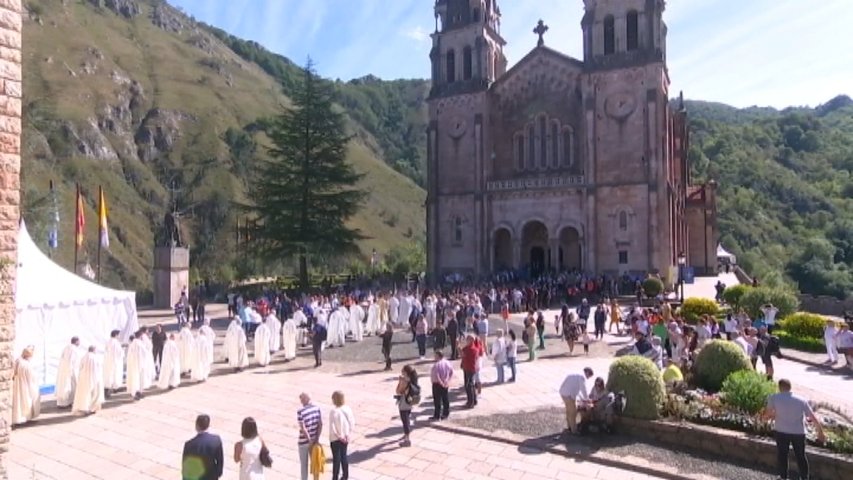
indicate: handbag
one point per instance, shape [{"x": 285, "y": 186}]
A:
[{"x": 264, "y": 456}]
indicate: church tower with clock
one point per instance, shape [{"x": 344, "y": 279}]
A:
[{"x": 559, "y": 164}]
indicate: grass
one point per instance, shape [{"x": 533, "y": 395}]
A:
[{"x": 172, "y": 75}]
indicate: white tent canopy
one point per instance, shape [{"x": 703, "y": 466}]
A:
[
  {"x": 53, "y": 304},
  {"x": 725, "y": 256}
]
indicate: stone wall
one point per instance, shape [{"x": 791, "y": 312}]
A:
[
  {"x": 10, "y": 169},
  {"x": 825, "y": 305}
]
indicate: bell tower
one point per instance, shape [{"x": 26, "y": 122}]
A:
[
  {"x": 621, "y": 32},
  {"x": 467, "y": 48}
]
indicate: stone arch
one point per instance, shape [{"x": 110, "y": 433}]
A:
[
  {"x": 502, "y": 244},
  {"x": 570, "y": 245},
  {"x": 534, "y": 247}
]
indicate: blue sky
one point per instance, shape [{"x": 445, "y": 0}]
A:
[{"x": 741, "y": 52}]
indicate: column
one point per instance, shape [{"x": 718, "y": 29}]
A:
[
  {"x": 10, "y": 190},
  {"x": 554, "y": 248}
]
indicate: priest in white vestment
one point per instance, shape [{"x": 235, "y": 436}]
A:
[
  {"x": 186, "y": 345},
  {"x": 66, "y": 373},
  {"x": 394, "y": 310},
  {"x": 170, "y": 367},
  {"x": 26, "y": 398},
  {"x": 336, "y": 330},
  {"x": 235, "y": 345},
  {"x": 210, "y": 336},
  {"x": 288, "y": 338},
  {"x": 113, "y": 364},
  {"x": 372, "y": 327},
  {"x": 430, "y": 304},
  {"x": 406, "y": 303},
  {"x": 274, "y": 325},
  {"x": 136, "y": 370},
  {"x": 203, "y": 357},
  {"x": 356, "y": 322},
  {"x": 90, "y": 384},
  {"x": 262, "y": 345},
  {"x": 149, "y": 368}
]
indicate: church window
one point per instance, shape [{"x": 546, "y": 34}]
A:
[
  {"x": 623, "y": 221},
  {"x": 609, "y": 35},
  {"x": 568, "y": 146},
  {"x": 531, "y": 147},
  {"x": 451, "y": 66},
  {"x": 623, "y": 257},
  {"x": 543, "y": 146},
  {"x": 633, "y": 30},
  {"x": 457, "y": 230},
  {"x": 555, "y": 144},
  {"x": 519, "y": 151},
  {"x": 467, "y": 64}
]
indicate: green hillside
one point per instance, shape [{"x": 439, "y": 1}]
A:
[{"x": 136, "y": 97}]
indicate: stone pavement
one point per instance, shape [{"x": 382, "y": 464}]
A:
[{"x": 143, "y": 440}]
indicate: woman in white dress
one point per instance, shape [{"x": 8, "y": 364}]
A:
[{"x": 247, "y": 452}]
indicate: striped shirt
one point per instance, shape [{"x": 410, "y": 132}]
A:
[{"x": 309, "y": 416}]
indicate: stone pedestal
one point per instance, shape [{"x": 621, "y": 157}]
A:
[{"x": 171, "y": 275}]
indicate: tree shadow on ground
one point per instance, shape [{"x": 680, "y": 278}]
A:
[{"x": 846, "y": 373}]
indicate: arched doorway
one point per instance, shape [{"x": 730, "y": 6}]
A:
[
  {"x": 503, "y": 250},
  {"x": 534, "y": 245},
  {"x": 570, "y": 249}
]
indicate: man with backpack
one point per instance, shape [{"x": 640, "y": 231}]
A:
[{"x": 318, "y": 336}]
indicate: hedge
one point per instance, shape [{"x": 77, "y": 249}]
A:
[
  {"x": 804, "y": 325},
  {"x": 805, "y": 344},
  {"x": 781, "y": 298},
  {"x": 693, "y": 309}
]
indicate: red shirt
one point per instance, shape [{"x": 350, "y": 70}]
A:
[{"x": 470, "y": 354}]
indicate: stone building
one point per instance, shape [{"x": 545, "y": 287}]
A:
[
  {"x": 560, "y": 163},
  {"x": 10, "y": 187}
]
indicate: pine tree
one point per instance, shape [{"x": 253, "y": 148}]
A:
[{"x": 306, "y": 190}]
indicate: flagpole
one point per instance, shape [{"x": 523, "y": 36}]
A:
[
  {"x": 77, "y": 230},
  {"x": 100, "y": 228},
  {"x": 53, "y": 208}
]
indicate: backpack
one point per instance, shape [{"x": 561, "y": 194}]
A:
[{"x": 413, "y": 395}]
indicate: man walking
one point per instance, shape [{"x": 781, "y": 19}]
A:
[
  {"x": 572, "y": 390},
  {"x": 441, "y": 374},
  {"x": 788, "y": 411},
  {"x": 470, "y": 368},
  {"x": 202, "y": 458},
  {"x": 310, "y": 421}
]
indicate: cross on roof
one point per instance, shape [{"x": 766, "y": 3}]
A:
[{"x": 540, "y": 30}]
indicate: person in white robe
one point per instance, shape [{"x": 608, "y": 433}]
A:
[
  {"x": 66, "y": 373},
  {"x": 405, "y": 310},
  {"x": 210, "y": 336},
  {"x": 430, "y": 311},
  {"x": 262, "y": 345},
  {"x": 26, "y": 398},
  {"x": 289, "y": 334},
  {"x": 394, "y": 309},
  {"x": 89, "y": 396},
  {"x": 356, "y": 322},
  {"x": 203, "y": 357},
  {"x": 149, "y": 368},
  {"x": 372, "y": 327},
  {"x": 186, "y": 345},
  {"x": 332, "y": 328},
  {"x": 136, "y": 370},
  {"x": 343, "y": 325},
  {"x": 301, "y": 321},
  {"x": 274, "y": 325},
  {"x": 170, "y": 367},
  {"x": 113, "y": 364},
  {"x": 235, "y": 345}
]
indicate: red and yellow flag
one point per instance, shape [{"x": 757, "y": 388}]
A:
[
  {"x": 102, "y": 220},
  {"x": 81, "y": 219}
]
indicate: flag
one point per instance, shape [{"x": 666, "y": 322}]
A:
[
  {"x": 102, "y": 220},
  {"x": 53, "y": 233},
  {"x": 81, "y": 219}
]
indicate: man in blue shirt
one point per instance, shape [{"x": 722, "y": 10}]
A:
[{"x": 789, "y": 411}]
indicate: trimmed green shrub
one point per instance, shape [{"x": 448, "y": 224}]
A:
[
  {"x": 804, "y": 325},
  {"x": 641, "y": 381},
  {"x": 783, "y": 299},
  {"x": 652, "y": 286},
  {"x": 734, "y": 294},
  {"x": 804, "y": 344},
  {"x": 747, "y": 390},
  {"x": 716, "y": 361},
  {"x": 694, "y": 308}
]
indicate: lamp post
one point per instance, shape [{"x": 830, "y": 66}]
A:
[{"x": 682, "y": 260}]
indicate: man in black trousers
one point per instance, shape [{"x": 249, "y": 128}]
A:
[
  {"x": 158, "y": 341},
  {"x": 202, "y": 459}
]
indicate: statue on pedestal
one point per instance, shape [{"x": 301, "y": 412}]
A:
[{"x": 170, "y": 233}]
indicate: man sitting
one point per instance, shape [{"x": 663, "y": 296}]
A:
[{"x": 598, "y": 409}]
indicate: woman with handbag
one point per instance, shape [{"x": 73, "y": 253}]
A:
[
  {"x": 251, "y": 452},
  {"x": 407, "y": 394},
  {"x": 341, "y": 425}
]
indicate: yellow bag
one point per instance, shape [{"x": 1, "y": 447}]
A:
[{"x": 318, "y": 460}]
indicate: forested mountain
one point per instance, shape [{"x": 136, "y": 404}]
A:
[{"x": 162, "y": 110}]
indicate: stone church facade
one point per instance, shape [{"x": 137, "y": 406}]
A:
[{"x": 560, "y": 163}]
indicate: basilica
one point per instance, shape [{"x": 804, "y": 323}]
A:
[{"x": 558, "y": 163}]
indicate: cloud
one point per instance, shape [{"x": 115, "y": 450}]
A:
[{"x": 417, "y": 33}]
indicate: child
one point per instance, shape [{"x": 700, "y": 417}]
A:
[{"x": 585, "y": 340}]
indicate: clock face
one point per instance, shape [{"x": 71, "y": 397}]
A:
[
  {"x": 458, "y": 125},
  {"x": 620, "y": 105}
]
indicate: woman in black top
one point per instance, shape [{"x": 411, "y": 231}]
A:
[
  {"x": 387, "y": 336},
  {"x": 439, "y": 336}
]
